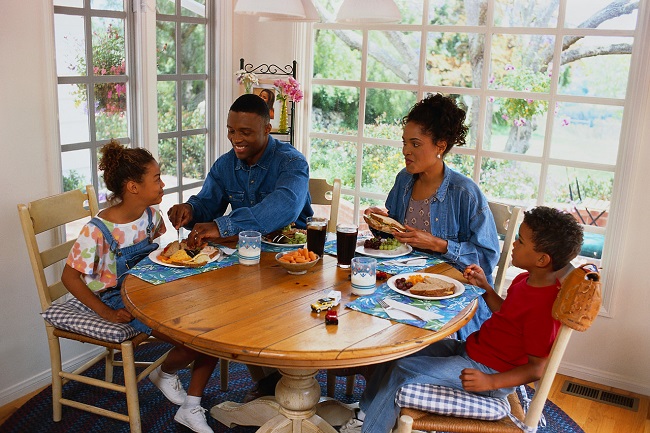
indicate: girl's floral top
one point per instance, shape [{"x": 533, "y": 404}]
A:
[{"x": 91, "y": 254}]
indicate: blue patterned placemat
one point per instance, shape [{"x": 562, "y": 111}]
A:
[
  {"x": 447, "y": 308},
  {"x": 278, "y": 249},
  {"x": 432, "y": 260},
  {"x": 155, "y": 273}
]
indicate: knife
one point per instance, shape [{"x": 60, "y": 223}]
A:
[{"x": 415, "y": 311}]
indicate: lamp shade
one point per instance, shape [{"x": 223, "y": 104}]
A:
[
  {"x": 368, "y": 11},
  {"x": 311, "y": 14},
  {"x": 271, "y": 8}
]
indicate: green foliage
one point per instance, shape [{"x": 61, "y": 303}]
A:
[
  {"x": 518, "y": 111},
  {"x": 74, "y": 180}
]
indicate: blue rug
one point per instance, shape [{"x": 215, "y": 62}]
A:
[{"x": 35, "y": 416}]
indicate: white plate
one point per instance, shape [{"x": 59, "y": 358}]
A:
[
  {"x": 384, "y": 254},
  {"x": 264, "y": 241},
  {"x": 460, "y": 288},
  {"x": 154, "y": 258}
]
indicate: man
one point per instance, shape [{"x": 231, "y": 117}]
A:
[{"x": 264, "y": 180}]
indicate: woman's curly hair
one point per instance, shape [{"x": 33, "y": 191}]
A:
[
  {"x": 441, "y": 119},
  {"x": 121, "y": 164}
]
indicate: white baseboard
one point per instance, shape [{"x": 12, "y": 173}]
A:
[
  {"x": 604, "y": 378},
  {"x": 44, "y": 378}
]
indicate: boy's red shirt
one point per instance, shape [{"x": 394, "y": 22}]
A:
[{"x": 523, "y": 326}]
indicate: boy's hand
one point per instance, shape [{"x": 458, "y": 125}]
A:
[
  {"x": 475, "y": 275},
  {"x": 476, "y": 381}
]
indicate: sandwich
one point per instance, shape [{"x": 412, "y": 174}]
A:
[
  {"x": 383, "y": 223},
  {"x": 178, "y": 253},
  {"x": 433, "y": 287}
]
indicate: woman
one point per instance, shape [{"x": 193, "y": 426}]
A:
[
  {"x": 269, "y": 97},
  {"x": 443, "y": 211}
]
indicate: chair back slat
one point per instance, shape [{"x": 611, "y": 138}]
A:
[
  {"x": 57, "y": 253},
  {"x": 322, "y": 193},
  {"x": 51, "y": 212},
  {"x": 507, "y": 219}
]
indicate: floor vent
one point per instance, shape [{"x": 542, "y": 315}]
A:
[{"x": 602, "y": 396}]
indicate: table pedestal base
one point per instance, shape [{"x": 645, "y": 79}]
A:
[{"x": 296, "y": 408}]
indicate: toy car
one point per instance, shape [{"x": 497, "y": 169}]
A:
[
  {"x": 332, "y": 318},
  {"x": 324, "y": 304}
]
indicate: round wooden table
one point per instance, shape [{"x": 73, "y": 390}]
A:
[{"x": 261, "y": 315}]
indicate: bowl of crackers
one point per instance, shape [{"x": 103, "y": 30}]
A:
[{"x": 297, "y": 261}]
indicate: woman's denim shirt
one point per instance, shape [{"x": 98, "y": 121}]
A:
[
  {"x": 460, "y": 214},
  {"x": 266, "y": 196}
]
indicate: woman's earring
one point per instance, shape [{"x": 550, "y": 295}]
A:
[{"x": 438, "y": 156}]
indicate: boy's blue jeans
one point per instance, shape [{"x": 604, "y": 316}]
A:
[{"x": 439, "y": 364}]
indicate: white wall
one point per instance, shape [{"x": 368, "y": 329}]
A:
[{"x": 615, "y": 351}]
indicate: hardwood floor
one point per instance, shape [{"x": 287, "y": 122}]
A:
[{"x": 592, "y": 416}]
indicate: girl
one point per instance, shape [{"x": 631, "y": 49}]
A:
[{"x": 111, "y": 243}]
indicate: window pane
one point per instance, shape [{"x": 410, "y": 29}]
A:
[
  {"x": 514, "y": 181},
  {"x": 514, "y": 68},
  {"x": 587, "y": 132},
  {"x": 384, "y": 112},
  {"x": 585, "y": 193},
  {"x": 405, "y": 60},
  {"x": 193, "y": 104},
  {"x": 411, "y": 11},
  {"x": 335, "y": 110},
  {"x": 449, "y": 58},
  {"x": 193, "y": 48},
  {"x": 579, "y": 12},
  {"x": 333, "y": 159},
  {"x": 381, "y": 163},
  {"x": 193, "y": 154},
  {"x": 335, "y": 59},
  {"x": 517, "y": 126},
  {"x": 471, "y": 105},
  {"x": 166, "y": 106},
  {"x": 76, "y": 168},
  {"x": 463, "y": 164},
  {"x": 602, "y": 76},
  {"x": 110, "y": 106},
  {"x": 167, "y": 7},
  {"x": 109, "y": 52},
  {"x": 71, "y": 3},
  {"x": 69, "y": 40},
  {"x": 444, "y": 12},
  {"x": 190, "y": 192},
  {"x": 108, "y": 5},
  {"x": 194, "y": 8},
  {"x": 166, "y": 47},
  {"x": 530, "y": 13},
  {"x": 168, "y": 162},
  {"x": 73, "y": 113}
]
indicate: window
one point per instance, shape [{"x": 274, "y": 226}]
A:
[{"x": 544, "y": 84}]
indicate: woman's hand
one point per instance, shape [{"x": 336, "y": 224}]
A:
[
  {"x": 421, "y": 239},
  {"x": 375, "y": 209},
  {"x": 476, "y": 381}
]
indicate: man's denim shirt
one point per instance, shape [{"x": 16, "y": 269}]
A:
[
  {"x": 460, "y": 214},
  {"x": 264, "y": 197}
]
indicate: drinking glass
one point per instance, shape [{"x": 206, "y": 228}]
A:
[
  {"x": 346, "y": 243},
  {"x": 364, "y": 275},
  {"x": 250, "y": 247},
  {"x": 316, "y": 234}
]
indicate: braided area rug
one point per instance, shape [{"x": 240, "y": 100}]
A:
[{"x": 157, "y": 412}]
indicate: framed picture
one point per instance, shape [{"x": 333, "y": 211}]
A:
[{"x": 267, "y": 91}]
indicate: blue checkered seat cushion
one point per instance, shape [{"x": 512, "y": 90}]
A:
[
  {"x": 442, "y": 400},
  {"x": 75, "y": 316}
]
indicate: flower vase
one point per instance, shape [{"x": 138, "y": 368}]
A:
[
  {"x": 283, "y": 127},
  {"x": 248, "y": 87}
]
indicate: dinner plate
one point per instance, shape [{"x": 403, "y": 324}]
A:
[
  {"x": 460, "y": 288},
  {"x": 264, "y": 241},
  {"x": 154, "y": 258},
  {"x": 384, "y": 254}
]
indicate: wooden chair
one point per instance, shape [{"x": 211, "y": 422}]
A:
[
  {"x": 49, "y": 215},
  {"x": 322, "y": 193},
  {"x": 579, "y": 306},
  {"x": 507, "y": 219}
]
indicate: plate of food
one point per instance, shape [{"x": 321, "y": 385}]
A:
[
  {"x": 426, "y": 286},
  {"x": 288, "y": 236},
  {"x": 179, "y": 255},
  {"x": 383, "y": 248}
]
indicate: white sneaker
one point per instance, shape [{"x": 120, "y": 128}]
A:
[
  {"x": 194, "y": 419},
  {"x": 170, "y": 386},
  {"x": 352, "y": 426}
]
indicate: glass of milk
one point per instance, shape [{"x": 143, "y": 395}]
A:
[
  {"x": 364, "y": 275},
  {"x": 249, "y": 247}
]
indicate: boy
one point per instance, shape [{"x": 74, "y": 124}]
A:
[{"x": 510, "y": 349}]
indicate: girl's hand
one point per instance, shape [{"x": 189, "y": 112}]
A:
[
  {"x": 421, "y": 239},
  {"x": 475, "y": 380},
  {"x": 117, "y": 316},
  {"x": 475, "y": 275}
]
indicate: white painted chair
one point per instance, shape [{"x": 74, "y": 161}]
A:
[{"x": 507, "y": 219}]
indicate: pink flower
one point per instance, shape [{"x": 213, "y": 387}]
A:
[
  {"x": 289, "y": 88},
  {"x": 509, "y": 67},
  {"x": 566, "y": 122}
]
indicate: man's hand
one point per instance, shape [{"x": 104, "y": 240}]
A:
[
  {"x": 203, "y": 232},
  {"x": 180, "y": 215},
  {"x": 476, "y": 381}
]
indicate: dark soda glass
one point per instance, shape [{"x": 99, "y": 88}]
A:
[
  {"x": 346, "y": 243},
  {"x": 316, "y": 235}
]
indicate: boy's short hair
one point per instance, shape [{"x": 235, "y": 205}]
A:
[
  {"x": 555, "y": 233},
  {"x": 251, "y": 103}
]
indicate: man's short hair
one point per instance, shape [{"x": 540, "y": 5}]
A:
[
  {"x": 250, "y": 103},
  {"x": 555, "y": 233}
]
